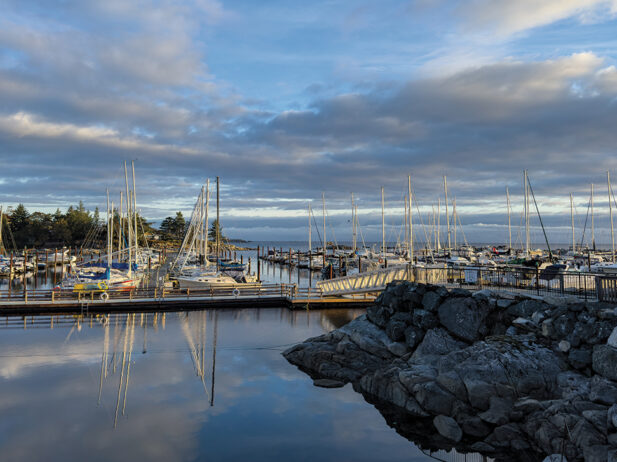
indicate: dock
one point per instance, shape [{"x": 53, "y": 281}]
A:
[{"x": 47, "y": 301}]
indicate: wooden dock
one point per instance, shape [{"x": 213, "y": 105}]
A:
[{"x": 37, "y": 301}]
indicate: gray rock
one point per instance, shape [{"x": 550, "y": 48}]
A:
[
  {"x": 596, "y": 453},
  {"x": 611, "y": 417},
  {"x": 526, "y": 308},
  {"x": 548, "y": 329},
  {"x": 585, "y": 435},
  {"x": 434, "y": 399},
  {"x": 463, "y": 317},
  {"x": 538, "y": 317},
  {"x": 395, "y": 329},
  {"x": 554, "y": 458},
  {"x": 528, "y": 405},
  {"x": 525, "y": 324},
  {"x": 431, "y": 301},
  {"x": 451, "y": 382},
  {"x": 564, "y": 346},
  {"x": 482, "y": 447},
  {"x": 437, "y": 342},
  {"x": 580, "y": 358},
  {"x": 448, "y": 428},
  {"x": 604, "y": 361},
  {"x": 503, "y": 303},
  {"x": 498, "y": 412},
  {"x": 611, "y": 439},
  {"x": 602, "y": 391},
  {"x": 612, "y": 339},
  {"x": 425, "y": 320},
  {"x": 597, "y": 418},
  {"x": 503, "y": 436},
  {"x": 474, "y": 426},
  {"x": 417, "y": 373},
  {"x": 378, "y": 315},
  {"x": 414, "y": 335},
  {"x": 612, "y": 455},
  {"x": 328, "y": 383}
]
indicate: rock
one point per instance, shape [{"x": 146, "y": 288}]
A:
[
  {"x": 437, "y": 342},
  {"x": 414, "y": 335},
  {"x": 474, "y": 426},
  {"x": 525, "y": 308},
  {"x": 611, "y": 417},
  {"x": 554, "y": 458},
  {"x": 525, "y": 324},
  {"x": 431, "y": 301},
  {"x": 564, "y": 346},
  {"x": 328, "y": 383},
  {"x": 602, "y": 391},
  {"x": 503, "y": 303},
  {"x": 498, "y": 412},
  {"x": 415, "y": 374},
  {"x": 585, "y": 435},
  {"x": 378, "y": 315},
  {"x": 528, "y": 405},
  {"x": 448, "y": 428},
  {"x": 395, "y": 329},
  {"x": 482, "y": 447},
  {"x": 597, "y": 418},
  {"x": 434, "y": 399},
  {"x": 612, "y": 455},
  {"x": 462, "y": 317},
  {"x": 596, "y": 453},
  {"x": 548, "y": 329},
  {"x": 580, "y": 358},
  {"x": 452, "y": 383},
  {"x": 425, "y": 320},
  {"x": 612, "y": 339},
  {"x": 604, "y": 361},
  {"x": 503, "y": 436}
]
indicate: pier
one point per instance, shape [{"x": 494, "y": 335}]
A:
[{"x": 46, "y": 301}]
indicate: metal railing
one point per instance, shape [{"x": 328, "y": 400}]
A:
[
  {"x": 527, "y": 280},
  {"x": 287, "y": 291}
]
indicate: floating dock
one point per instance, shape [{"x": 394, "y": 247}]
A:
[{"x": 33, "y": 301}]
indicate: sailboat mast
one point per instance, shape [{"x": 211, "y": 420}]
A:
[
  {"x": 310, "y": 239},
  {"x": 572, "y": 222},
  {"x": 526, "y": 187},
  {"x": 109, "y": 232},
  {"x": 323, "y": 207},
  {"x": 135, "y": 210},
  {"x": 120, "y": 229},
  {"x": 383, "y": 225},
  {"x": 206, "y": 221},
  {"x": 610, "y": 209},
  {"x": 509, "y": 222},
  {"x": 438, "y": 224},
  {"x": 410, "y": 217},
  {"x": 454, "y": 218},
  {"x": 128, "y": 214},
  {"x": 445, "y": 188},
  {"x": 218, "y": 223},
  {"x": 353, "y": 225},
  {"x": 593, "y": 229}
]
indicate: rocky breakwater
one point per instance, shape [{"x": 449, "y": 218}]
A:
[{"x": 509, "y": 376}]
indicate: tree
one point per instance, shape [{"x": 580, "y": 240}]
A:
[
  {"x": 179, "y": 226},
  {"x": 216, "y": 229},
  {"x": 19, "y": 225}
]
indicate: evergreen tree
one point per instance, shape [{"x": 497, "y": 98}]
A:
[{"x": 215, "y": 229}]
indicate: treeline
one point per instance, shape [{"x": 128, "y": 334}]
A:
[
  {"x": 74, "y": 228},
  {"x": 80, "y": 227}
]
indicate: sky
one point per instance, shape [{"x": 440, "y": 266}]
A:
[{"x": 286, "y": 100}]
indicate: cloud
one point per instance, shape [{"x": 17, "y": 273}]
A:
[{"x": 507, "y": 17}]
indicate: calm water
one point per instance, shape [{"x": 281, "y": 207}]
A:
[{"x": 208, "y": 385}]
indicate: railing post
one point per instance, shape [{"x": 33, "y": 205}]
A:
[{"x": 537, "y": 280}]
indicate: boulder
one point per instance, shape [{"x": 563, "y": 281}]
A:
[
  {"x": 525, "y": 308},
  {"x": 498, "y": 412},
  {"x": 612, "y": 339},
  {"x": 580, "y": 358},
  {"x": 448, "y": 428},
  {"x": 414, "y": 335},
  {"x": 604, "y": 361},
  {"x": 434, "y": 399},
  {"x": 431, "y": 301},
  {"x": 424, "y": 319},
  {"x": 602, "y": 391},
  {"x": 437, "y": 342},
  {"x": 463, "y": 317}
]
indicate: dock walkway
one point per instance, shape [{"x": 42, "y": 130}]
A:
[{"x": 47, "y": 301}]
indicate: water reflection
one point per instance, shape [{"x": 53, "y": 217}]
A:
[{"x": 179, "y": 386}]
